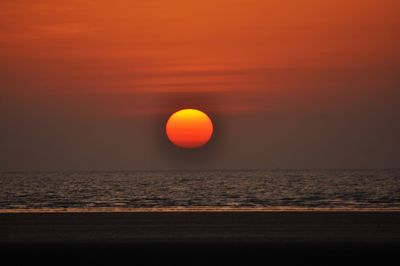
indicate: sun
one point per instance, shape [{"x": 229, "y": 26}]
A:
[{"x": 189, "y": 128}]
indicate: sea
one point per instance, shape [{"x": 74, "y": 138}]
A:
[{"x": 200, "y": 190}]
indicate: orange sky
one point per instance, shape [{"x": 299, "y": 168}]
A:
[{"x": 84, "y": 60}]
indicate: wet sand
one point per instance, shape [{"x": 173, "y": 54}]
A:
[
  {"x": 221, "y": 235},
  {"x": 158, "y": 227}
]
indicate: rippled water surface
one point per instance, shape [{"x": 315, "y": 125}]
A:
[{"x": 163, "y": 189}]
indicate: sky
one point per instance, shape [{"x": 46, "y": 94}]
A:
[{"x": 89, "y": 85}]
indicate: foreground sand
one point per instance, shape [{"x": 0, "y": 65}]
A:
[{"x": 200, "y": 227}]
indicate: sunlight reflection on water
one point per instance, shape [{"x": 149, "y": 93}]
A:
[{"x": 191, "y": 190}]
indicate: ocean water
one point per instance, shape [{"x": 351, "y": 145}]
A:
[{"x": 258, "y": 189}]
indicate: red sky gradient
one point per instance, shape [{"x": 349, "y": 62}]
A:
[{"x": 86, "y": 84}]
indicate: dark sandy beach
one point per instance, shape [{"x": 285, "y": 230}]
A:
[
  {"x": 256, "y": 227},
  {"x": 313, "y": 233}
]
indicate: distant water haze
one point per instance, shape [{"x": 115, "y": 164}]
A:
[{"x": 252, "y": 189}]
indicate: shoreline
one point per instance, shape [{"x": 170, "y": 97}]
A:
[{"x": 193, "y": 209}]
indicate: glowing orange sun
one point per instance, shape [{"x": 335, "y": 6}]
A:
[{"x": 189, "y": 128}]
